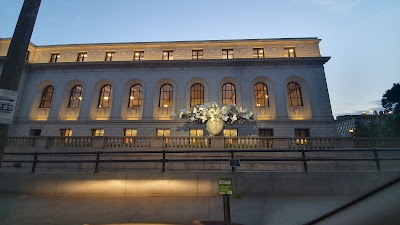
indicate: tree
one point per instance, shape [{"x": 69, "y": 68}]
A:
[{"x": 391, "y": 99}]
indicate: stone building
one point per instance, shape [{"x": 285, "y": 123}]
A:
[{"x": 131, "y": 89}]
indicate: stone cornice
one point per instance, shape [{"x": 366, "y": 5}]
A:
[{"x": 180, "y": 63}]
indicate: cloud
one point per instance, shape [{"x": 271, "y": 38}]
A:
[{"x": 333, "y": 5}]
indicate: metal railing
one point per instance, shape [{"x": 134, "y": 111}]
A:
[{"x": 161, "y": 156}]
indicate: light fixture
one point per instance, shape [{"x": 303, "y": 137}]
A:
[
  {"x": 131, "y": 97},
  {"x": 266, "y": 96},
  {"x": 105, "y": 98},
  {"x": 165, "y": 105},
  {"x": 258, "y": 104},
  {"x": 80, "y": 98}
]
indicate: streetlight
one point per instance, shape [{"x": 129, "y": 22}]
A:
[{"x": 351, "y": 131}]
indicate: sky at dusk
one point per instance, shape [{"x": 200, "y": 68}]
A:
[{"x": 361, "y": 36}]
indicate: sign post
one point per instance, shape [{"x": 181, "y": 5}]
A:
[
  {"x": 8, "y": 103},
  {"x": 225, "y": 189}
]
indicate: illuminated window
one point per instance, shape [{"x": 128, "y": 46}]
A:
[
  {"x": 66, "y": 132},
  {"x": 294, "y": 94},
  {"x": 168, "y": 55},
  {"x": 289, "y": 52},
  {"x": 301, "y": 135},
  {"x": 166, "y": 92},
  {"x": 47, "y": 96},
  {"x": 28, "y": 53},
  {"x": 196, "y": 95},
  {"x": 227, "y": 53},
  {"x": 138, "y": 55},
  {"x": 130, "y": 132},
  {"x": 261, "y": 97},
  {"x": 109, "y": 56},
  {"x": 97, "y": 132},
  {"x": 135, "y": 96},
  {"x": 230, "y": 133},
  {"x": 75, "y": 97},
  {"x": 228, "y": 94},
  {"x": 105, "y": 97},
  {"x": 258, "y": 53},
  {"x": 196, "y": 133},
  {"x": 54, "y": 57},
  {"x": 82, "y": 57},
  {"x": 163, "y": 132},
  {"x": 197, "y": 54}
]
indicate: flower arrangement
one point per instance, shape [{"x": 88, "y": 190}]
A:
[{"x": 214, "y": 112}]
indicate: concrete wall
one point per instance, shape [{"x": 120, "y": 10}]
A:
[{"x": 140, "y": 184}]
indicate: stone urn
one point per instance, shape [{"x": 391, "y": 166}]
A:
[{"x": 214, "y": 127}]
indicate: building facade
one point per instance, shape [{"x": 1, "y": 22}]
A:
[{"x": 131, "y": 89}]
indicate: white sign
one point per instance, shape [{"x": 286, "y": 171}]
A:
[{"x": 8, "y": 103}]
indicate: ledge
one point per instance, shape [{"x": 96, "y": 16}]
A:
[{"x": 180, "y": 63}]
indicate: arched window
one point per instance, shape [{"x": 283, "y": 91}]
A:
[
  {"x": 228, "y": 94},
  {"x": 196, "y": 94},
  {"x": 261, "y": 94},
  {"x": 105, "y": 97},
  {"x": 294, "y": 94},
  {"x": 75, "y": 97},
  {"x": 47, "y": 96},
  {"x": 135, "y": 96},
  {"x": 166, "y": 92}
]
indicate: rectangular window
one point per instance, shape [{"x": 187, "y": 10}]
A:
[
  {"x": 82, "y": 57},
  {"x": 109, "y": 56},
  {"x": 265, "y": 132},
  {"x": 54, "y": 57},
  {"x": 35, "y": 132},
  {"x": 289, "y": 52},
  {"x": 197, "y": 54},
  {"x": 28, "y": 53},
  {"x": 164, "y": 133},
  {"x": 168, "y": 55},
  {"x": 196, "y": 133},
  {"x": 129, "y": 133},
  {"x": 66, "y": 132},
  {"x": 258, "y": 53},
  {"x": 139, "y": 55},
  {"x": 230, "y": 133},
  {"x": 227, "y": 53},
  {"x": 301, "y": 136},
  {"x": 97, "y": 132},
  {"x": 195, "y": 137}
]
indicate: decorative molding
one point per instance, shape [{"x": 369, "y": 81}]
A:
[{"x": 180, "y": 63}]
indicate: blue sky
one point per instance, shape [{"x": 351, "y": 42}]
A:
[{"x": 362, "y": 36}]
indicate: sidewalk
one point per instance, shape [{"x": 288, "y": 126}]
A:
[{"x": 268, "y": 210}]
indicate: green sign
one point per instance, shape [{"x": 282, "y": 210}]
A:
[{"x": 225, "y": 186}]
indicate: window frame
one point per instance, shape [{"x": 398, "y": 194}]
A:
[
  {"x": 197, "y": 87},
  {"x": 288, "y": 53},
  {"x": 132, "y": 94},
  {"x": 82, "y": 57},
  {"x": 258, "y": 53},
  {"x": 163, "y": 101},
  {"x": 295, "y": 97},
  {"x": 196, "y": 54},
  {"x": 75, "y": 97},
  {"x": 228, "y": 54},
  {"x": 139, "y": 54},
  {"x": 109, "y": 56},
  {"x": 102, "y": 97},
  {"x": 47, "y": 97},
  {"x": 97, "y": 132},
  {"x": 261, "y": 101},
  {"x": 225, "y": 93},
  {"x": 54, "y": 57},
  {"x": 168, "y": 55}
]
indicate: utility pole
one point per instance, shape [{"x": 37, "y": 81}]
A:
[{"x": 14, "y": 62}]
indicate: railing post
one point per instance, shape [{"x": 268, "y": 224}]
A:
[
  {"x": 163, "y": 161},
  {"x": 96, "y": 169},
  {"x": 378, "y": 165},
  {"x": 35, "y": 157},
  {"x": 303, "y": 154},
  {"x": 233, "y": 157}
]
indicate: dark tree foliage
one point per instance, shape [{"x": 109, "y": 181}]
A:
[{"x": 391, "y": 99}]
